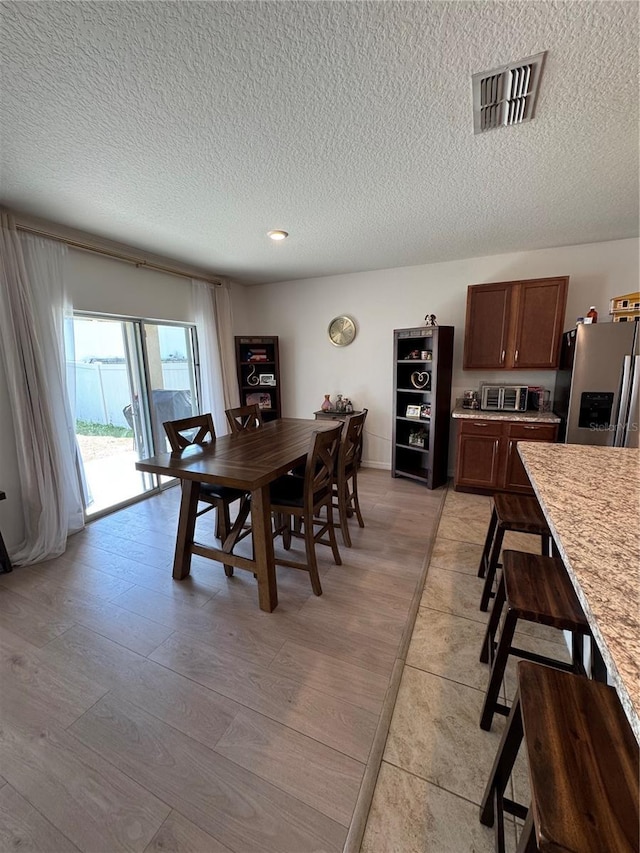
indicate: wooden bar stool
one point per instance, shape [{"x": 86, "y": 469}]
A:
[
  {"x": 518, "y": 513},
  {"x": 535, "y": 589},
  {"x": 584, "y": 763}
]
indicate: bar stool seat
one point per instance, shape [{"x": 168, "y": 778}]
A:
[
  {"x": 517, "y": 513},
  {"x": 534, "y": 589},
  {"x": 584, "y": 764}
]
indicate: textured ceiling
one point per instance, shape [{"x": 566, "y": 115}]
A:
[{"x": 191, "y": 129}]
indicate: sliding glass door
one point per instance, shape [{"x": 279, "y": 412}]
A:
[
  {"x": 128, "y": 376},
  {"x": 171, "y": 368}
]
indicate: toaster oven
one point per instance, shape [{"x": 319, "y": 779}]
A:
[{"x": 504, "y": 398}]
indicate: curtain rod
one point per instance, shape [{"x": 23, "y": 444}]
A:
[{"x": 130, "y": 259}]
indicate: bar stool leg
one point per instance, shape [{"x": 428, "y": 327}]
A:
[
  {"x": 497, "y": 670},
  {"x": 577, "y": 652},
  {"x": 527, "y": 842},
  {"x": 598, "y": 666},
  {"x": 5, "y": 562},
  {"x": 484, "y": 559},
  {"x": 486, "y": 654},
  {"x": 502, "y": 767},
  {"x": 491, "y": 569}
]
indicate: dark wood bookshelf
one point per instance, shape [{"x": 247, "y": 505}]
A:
[
  {"x": 427, "y": 463},
  {"x": 258, "y": 357}
]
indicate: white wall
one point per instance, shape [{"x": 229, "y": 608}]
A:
[{"x": 300, "y": 311}]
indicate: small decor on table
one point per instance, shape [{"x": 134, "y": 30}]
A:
[
  {"x": 327, "y": 405},
  {"x": 340, "y": 404}
]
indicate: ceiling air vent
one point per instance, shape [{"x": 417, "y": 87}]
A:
[{"x": 507, "y": 95}]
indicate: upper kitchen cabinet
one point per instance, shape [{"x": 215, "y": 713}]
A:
[
  {"x": 515, "y": 325},
  {"x": 486, "y": 330}
]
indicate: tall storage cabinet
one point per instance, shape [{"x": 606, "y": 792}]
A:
[
  {"x": 423, "y": 359},
  {"x": 258, "y": 367}
]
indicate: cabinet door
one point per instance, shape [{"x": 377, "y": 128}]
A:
[
  {"x": 478, "y": 462},
  {"x": 487, "y": 325},
  {"x": 516, "y": 478},
  {"x": 539, "y": 322}
]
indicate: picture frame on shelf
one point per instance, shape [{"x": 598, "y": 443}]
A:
[
  {"x": 267, "y": 379},
  {"x": 425, "y": 411},
  {"x": 412, "y": 411}
]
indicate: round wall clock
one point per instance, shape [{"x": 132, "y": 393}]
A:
[{"x": 342, "y": 331}]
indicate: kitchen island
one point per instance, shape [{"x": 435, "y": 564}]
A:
[{"x": 590, "y": 497}]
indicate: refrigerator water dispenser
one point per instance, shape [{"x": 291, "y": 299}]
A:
[{"x": 595, "y": 409}]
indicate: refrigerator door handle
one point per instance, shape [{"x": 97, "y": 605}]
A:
[
  {"x": 623, "y": 406},
  {"x": 632, "y": 415}
]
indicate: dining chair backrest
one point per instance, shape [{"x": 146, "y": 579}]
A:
[
  {"x": 351, "y": 444},
  {"x": 244, "y": 418},
  {"x": 365, "y": 412},
  {"x": 320, "y": 464},
  {"x": 198, "y": 429}
]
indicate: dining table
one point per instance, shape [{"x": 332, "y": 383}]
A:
[{"x": 249, "y": 461}]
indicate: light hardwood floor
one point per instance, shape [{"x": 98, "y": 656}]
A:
[{"x": 143, "y": 714}]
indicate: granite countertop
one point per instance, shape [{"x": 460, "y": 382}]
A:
[
  {"x": 531, "y": 417},
  {"x": 590, "y": 497}
]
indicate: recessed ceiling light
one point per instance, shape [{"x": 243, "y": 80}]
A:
[{"x": 277, "y": 235}]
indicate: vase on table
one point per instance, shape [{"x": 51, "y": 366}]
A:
[{"x": 327, "y": 405}]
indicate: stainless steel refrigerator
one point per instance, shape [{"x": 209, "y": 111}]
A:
[{"x": 597, "y": 385}]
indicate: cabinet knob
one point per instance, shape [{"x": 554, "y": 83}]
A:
[
  {"x": 529, "y": 426},
  {"x": 475, "y": 423},
  {"x": 516, "y": 356},
  {"x": 502, "y": 356}
]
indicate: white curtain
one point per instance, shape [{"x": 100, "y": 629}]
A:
[
  {"x": 219, "y": 389},
  {"x": 32, "y": 317}
]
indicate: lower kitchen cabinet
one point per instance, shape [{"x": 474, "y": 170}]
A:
[{"x": 488, "y": 460}]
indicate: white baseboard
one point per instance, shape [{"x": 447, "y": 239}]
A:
[{"x": 381, "y": 466}]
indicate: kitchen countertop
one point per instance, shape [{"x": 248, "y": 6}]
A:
[
  {"x": 590, "y": 497},
  {"x": 531, "y": 417}
]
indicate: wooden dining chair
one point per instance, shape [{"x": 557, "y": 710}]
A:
[
  {"x": 199, "y": 429},
  {"x": 345, "y": 485},
  {"x": 244, "y": 418},
  {"x": 304, "y": 498}
]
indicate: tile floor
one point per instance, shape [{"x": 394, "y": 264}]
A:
[{"x": 437, "y": 759}]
